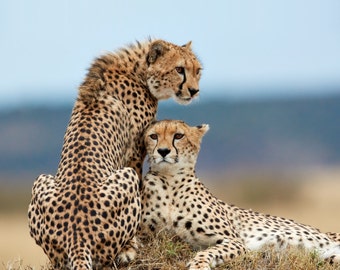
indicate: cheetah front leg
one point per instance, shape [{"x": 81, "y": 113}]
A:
[
  {"x": 128, "y": 252},
  {"x": 216, "y": 255},
  {"x": 124, "y": 185},
  {"x": 43, "y": 191}
]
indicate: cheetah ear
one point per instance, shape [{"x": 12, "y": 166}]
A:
[
  {"x": 202, "y": 129},
  {"x": 188, "y": 45},
  {"x": 158, "y": 48}
]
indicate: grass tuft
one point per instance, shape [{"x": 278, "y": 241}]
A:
[
  {"x": 162, "y": 252},
  {"x": 166, "y": 251}
]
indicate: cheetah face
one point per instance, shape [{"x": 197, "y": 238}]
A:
[
  {"x": 172, "y": 143},
  {"x": 173, "y": 71}
]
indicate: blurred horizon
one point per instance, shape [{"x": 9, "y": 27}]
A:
[{"x": 247, "y": 135}]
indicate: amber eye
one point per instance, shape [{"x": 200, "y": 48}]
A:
[
  {"x": 180, "y": 70},
  {"x": 178, "y": 136},
  {"x": 153, "y": 136}
]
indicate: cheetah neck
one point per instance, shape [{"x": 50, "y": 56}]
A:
[
  {"x": 121, "y": 75},
  {"x": 132, "y": 60},
  {"x": 172, "y": 172}
]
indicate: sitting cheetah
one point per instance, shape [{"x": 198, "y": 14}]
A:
[
  {"x": 174, "y": 199},
  {"x": 89, "y": 212}
]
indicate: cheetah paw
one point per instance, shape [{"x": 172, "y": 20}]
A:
[
  {"x": 129, "y": 252},
  {"x": 126, "y": 256},
  {"x": 198, "y": 266},
  {"x": 334, "y": 259}
]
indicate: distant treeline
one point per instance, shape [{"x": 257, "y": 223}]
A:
[{"x": 258, "y": 133}]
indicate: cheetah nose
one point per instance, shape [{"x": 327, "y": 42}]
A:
[
  {"x": 193, "y": 91},
  {"x": 163, "y": 151}
]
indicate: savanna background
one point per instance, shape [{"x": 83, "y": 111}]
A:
[{"x": 270, "y": 92}]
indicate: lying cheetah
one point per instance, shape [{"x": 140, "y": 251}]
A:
[
  {"x": 174, "y": 199},
  {"x": 89, "y": 212}
]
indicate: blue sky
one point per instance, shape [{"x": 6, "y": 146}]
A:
[{"x": 248, "y": 47}]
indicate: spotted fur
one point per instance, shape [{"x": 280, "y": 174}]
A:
[
  {"x": 174, "y": 199},
  {"x": 88, "y": 213}
]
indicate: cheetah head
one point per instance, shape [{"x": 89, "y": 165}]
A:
[
  {"x": 173, "y": 144},
  {"x": 173, "y": 71}
]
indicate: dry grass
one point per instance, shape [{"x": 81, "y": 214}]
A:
[
  {"x": 161, "y": 252},
  {"x": 166, "y": 252},
  {"x": 309, "y": 197}
]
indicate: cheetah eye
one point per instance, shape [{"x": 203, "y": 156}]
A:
[
  {"x": 198, "y": 71},
  {"x": 154, "y": 136},
  {"x": 178, "y": 136},
  {"x": 180, "y": 70}
]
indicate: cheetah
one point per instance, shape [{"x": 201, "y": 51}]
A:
[
  {"x": 87, "y": 214},
  {"x": 174, "y": 199}
]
